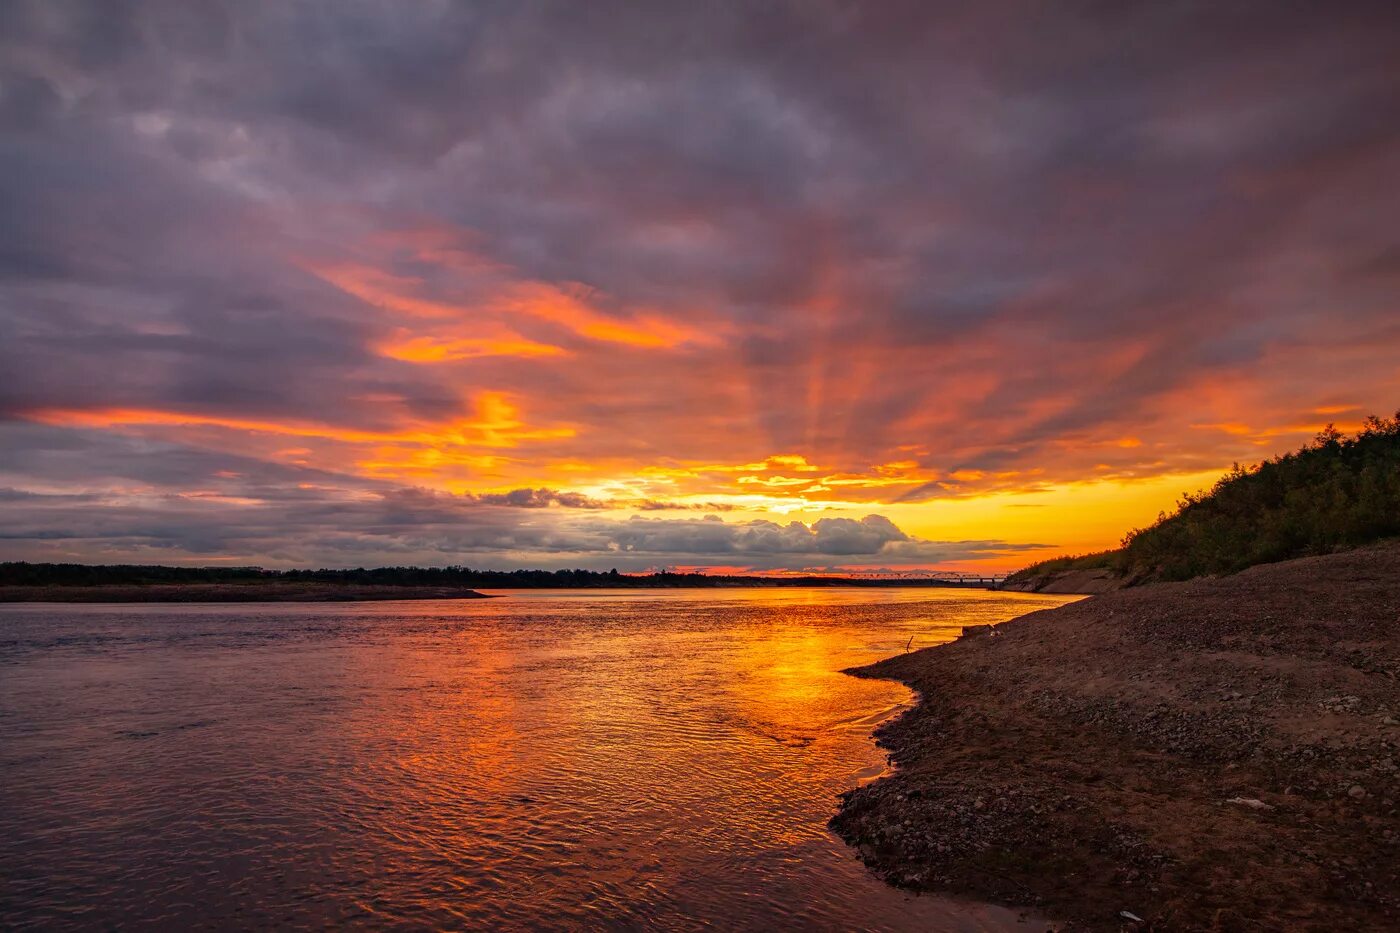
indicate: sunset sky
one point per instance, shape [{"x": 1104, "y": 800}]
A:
[{"x": 771, "y": 285}]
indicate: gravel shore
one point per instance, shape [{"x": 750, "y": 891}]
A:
[{"x": 1222, "y": 754}]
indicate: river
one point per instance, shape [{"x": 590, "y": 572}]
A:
[{"x": 548, "y": 759}]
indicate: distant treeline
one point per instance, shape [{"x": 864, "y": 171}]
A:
[
  {"x": 1338, "y": 492},
  {"x": 26, "y": 574}
]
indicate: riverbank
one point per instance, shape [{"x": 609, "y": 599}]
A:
[
  {"x": 1219, "y": 754},
  {"x": 230, "y": 593},
  {"x": 1068, "y": 582}
]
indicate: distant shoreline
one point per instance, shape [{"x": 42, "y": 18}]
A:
[
  {"x": 26, "y": 574},
  {"x": 316, "y": 592},
  {"x": 230, "y": 593}
]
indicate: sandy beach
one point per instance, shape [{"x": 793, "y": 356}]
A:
[{"x": 1219, "y": 754}]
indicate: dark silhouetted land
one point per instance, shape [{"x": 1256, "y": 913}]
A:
[
  {"x": 26, "y": 582},
  {"x": 277, "y": 592}
]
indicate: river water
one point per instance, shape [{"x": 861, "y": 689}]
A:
[{"x": 546, "y": 760}]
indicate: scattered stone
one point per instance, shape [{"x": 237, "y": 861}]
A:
[
  {"x": 1251, "y": 802},
  {"x": 1088, "y": 752}
]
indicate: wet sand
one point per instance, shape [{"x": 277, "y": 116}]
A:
[
  {"x": 229, "y": 593},
  {"x": 1222, "y": 754}
]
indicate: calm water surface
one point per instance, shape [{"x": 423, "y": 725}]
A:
[{"x": 559, "y": 759}]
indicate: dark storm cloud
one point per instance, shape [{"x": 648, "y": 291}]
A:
[
  {"x": 827, "y": 536},
  {"x": 541, "y": 499},
  {"x": 1002, "y": 233}
]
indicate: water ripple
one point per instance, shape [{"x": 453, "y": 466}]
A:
[{"x": 542, "y": 761}]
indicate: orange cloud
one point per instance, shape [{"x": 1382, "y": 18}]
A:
[
  {"x": 474, "y": 307},
  {"x": 568, "y": 306},
  {"x": 383, "y": 289},
  {"x": 494, "y": 423},
  {"x": 427, "y": 349}
]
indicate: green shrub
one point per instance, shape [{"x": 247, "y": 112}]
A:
[{"x": 1335, "y": 493}]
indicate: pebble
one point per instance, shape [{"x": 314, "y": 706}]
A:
[{"x": 1251, "y": 802}]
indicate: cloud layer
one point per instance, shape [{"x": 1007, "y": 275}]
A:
[
  {"x": 251, "y": 514},
  {"x": 585, "y": 261}
]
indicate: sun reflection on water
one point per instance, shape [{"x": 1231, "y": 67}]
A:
[{"x": 560, "y": 759}]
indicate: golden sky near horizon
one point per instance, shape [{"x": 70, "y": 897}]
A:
[{"x": 817, "y": 288}]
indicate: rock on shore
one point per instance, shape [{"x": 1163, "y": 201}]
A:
[{"x": 1222, "y": 754}]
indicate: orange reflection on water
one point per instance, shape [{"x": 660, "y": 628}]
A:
[{"x": 569, "y": 758}]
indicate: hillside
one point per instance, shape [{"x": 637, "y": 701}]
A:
[{"x": 1336, "y": 493}]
